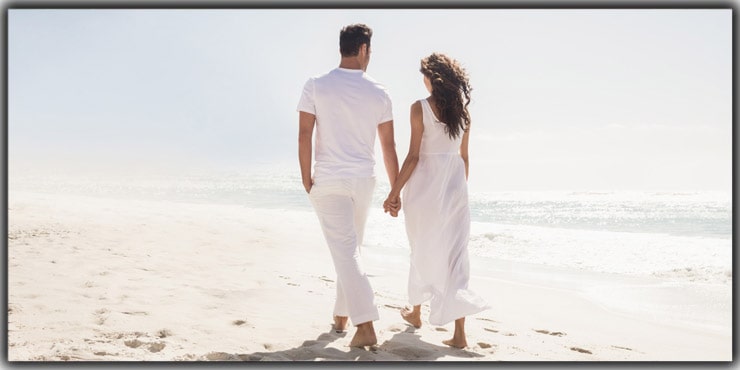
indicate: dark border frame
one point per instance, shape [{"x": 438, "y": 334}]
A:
[{"x": 361, "y": 4}]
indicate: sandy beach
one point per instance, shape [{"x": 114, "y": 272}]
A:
[{"x": 104, "y": 279}]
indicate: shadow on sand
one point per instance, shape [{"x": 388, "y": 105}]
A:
[
  {"x": 403, "y": 346},
  {"x": 408, "y": 346}
]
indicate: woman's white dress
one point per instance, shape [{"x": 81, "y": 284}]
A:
[{"x": 435, "y": 206}]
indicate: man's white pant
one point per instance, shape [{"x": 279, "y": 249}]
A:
[{"x": 342, "y": 207}]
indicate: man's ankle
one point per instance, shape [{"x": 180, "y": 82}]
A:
[{"x": 365, "y": 326}]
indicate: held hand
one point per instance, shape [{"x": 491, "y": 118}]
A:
[
  {"x": 392, "y": 205},
  {"x": 391, "y": 209}
]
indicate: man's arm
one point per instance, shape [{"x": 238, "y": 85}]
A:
[
  {"x": 393, "y": 203},
  {"x": 388, "y": 144},
  {"x": 306, "y": 123}
]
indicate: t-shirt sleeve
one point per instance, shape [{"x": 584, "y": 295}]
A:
[
  {"x": 306, "y": 104},
  {"x": 388, "y": 113}
]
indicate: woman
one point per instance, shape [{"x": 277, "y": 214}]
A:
[{"x": 434, "y": 178}]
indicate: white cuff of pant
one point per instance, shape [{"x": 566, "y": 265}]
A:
[
  {"x": 361, "y": 319},
  {"x": 342, "y": 314}
]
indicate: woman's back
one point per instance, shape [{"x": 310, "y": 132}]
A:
[{"x": 435, "y": 139}]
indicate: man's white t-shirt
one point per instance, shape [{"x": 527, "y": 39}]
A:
[{"x": 348, "y": 105}]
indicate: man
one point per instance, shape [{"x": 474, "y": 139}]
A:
[{"x": 347, "y": 107}]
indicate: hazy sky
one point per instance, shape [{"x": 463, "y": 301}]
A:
[{"x": 563, "y": 99}]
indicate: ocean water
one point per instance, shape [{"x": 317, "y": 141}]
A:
[{"x": 681, "y": 236}]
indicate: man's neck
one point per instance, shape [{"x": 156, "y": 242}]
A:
[{"x": 350, "y": 63}]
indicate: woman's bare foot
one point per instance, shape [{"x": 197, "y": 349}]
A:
[
  {"x": 456, "y": 342},
  {"x": 365, "y": 335},
  {"x": 458, "y": 339},
  {"x": 340, "y": 324},
  {"x": 413, "y": 317}
]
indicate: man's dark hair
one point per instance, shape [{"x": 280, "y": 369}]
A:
[{"x": 351, "y": 37}]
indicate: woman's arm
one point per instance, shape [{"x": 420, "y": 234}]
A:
[
  {"x": 393, "y": 202},
  {"x": 464, "y": 151}
]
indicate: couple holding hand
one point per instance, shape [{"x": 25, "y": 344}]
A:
[{"x": 347, "y": 109}]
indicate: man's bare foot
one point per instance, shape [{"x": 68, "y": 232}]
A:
[
  {"x": 340, "y": 324},
  {"x": 456, "y": 342},
  {"x": 413, "y": 317},
  {"x": 365, "y": 336}
]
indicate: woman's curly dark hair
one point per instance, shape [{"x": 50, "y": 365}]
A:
[{"x": 450, "y": 91}]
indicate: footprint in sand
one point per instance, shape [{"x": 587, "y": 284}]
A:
[
  {"x": 624, "y": 348},
  {"x": 324, "y": 278},
  {"x": 186, "y": 357},
  {"x": 101, "y": 316},
  {"x": 240, "y": 357},
  {"x": 164, "y": 333},
  {"x": 440, "y": 329},
  {"x": 580, "y": 350},
  {"x": 554, "y": 333},
  {"x": 484, "y": 345},
  {"x": 135, "y": 313},
  {"x": 392, "y": 306},
  {"x": 221, "y": 356},
  {"x": 485, "y": 319},
  {"x": 153, "y": 346},
  {"x": 294, "y": 284},
  {"x": 89, "y": 341},
  {"x": 239, "y": 322},
  {"x": 134, "y": 343},
  {"x": 491, "y": 330},
  {"x": 118, "y": 335},
  {"x": 156, "y": 347},
  {"x": 113, "y": 335}
]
